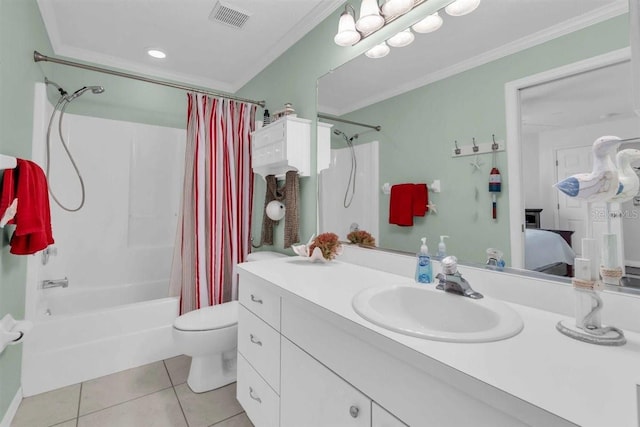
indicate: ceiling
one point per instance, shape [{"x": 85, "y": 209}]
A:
[
  {"x": 496, "y": 29},
  {"x": 571, "y": 102},
  {"x": 199, "y": 50}
]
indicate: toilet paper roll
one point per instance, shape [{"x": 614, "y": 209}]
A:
[{"x": 12, "y": 331}]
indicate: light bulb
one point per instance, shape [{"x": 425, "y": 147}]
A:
[
  {"x": 462, "y": 7},
  {"x": 429, "y": 24},
  {"x": 347, "y": 34},
  {"x": 378, "y": 51},
  {"x": 403, "y": 38},
  {"x": 370, "y": 19},
  {"x": 396, "y": 7}
]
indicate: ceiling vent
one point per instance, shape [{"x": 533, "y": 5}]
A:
[{"x": 228, "y": 15}]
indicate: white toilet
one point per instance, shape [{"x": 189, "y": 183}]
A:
[{"x": 210, "y": 336}]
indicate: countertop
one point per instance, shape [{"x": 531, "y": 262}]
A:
[{"x": 586, "y": 384}]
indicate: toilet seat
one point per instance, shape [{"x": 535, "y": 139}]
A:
[{"x": 208, "y": 318}]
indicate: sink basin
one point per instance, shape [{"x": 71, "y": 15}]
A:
[{"x": 425, "y": 312}]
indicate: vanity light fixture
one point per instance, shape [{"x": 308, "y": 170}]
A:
[
  {"x": 370, "y": 18},
  {"x": 403, "y": 38},
  {"x": 396, "y": 7},
  {"x": 155, "y": 53},
  {"x": 347, "y": 34},
  {"x": 378, "y": 51},
  {"x": 462, "y": 7},
  {"x": 429, "y": 24}
]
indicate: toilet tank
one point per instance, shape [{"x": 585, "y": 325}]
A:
[{"x": 259, "y": 256}]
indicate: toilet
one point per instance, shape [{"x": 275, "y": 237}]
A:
[{"x": 210, "y": 336}]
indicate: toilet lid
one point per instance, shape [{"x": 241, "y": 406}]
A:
[{"x": 209, "y": 318}]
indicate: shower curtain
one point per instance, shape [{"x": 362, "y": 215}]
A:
[{"x": 215, "y": 221}]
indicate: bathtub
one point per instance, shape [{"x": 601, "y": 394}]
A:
[{"x": 81, "y": 334}]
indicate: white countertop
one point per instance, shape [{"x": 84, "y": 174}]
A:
[{"x": 586, "y": 384}]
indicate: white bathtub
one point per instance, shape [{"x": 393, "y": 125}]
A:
[{"x": 91, "y": 333}]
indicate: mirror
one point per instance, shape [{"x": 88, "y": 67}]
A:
[{"x": 448, "y": 87}]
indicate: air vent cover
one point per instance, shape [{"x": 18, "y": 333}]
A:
[{"x": 228, "y": 15}]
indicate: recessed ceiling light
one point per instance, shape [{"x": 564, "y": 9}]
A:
[{"x": 156, "y": 53}]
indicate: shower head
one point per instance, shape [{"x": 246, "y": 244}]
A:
[
  {"x": 81, "y": 91},
  {"x": 338, "y": 132}
]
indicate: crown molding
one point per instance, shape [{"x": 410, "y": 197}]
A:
[{"x": 566, "y": 27}]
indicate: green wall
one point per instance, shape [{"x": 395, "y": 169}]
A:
[
  {"x": 21, "y": 28},
  {"x": 419, "y": 128}
]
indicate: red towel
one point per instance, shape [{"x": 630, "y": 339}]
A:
[
  {"x": 420, "y": 199},
  {"x": 33, "y": 218},
  {"x": 401, "y": 204}
]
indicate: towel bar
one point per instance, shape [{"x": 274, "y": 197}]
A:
[
  {"x": 434, "y": 187},
  {"x": 7, "y": 162}
]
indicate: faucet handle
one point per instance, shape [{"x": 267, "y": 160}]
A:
[{"x": 450, "y": 265}]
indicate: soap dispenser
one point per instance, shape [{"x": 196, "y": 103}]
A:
[
  {"x": 424, "y": 271},
  {"x": 442, "y": 248}
]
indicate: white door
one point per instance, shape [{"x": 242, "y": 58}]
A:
[
  {"x": 313, "y": 396},
  {"x": 572, "y": 213}
]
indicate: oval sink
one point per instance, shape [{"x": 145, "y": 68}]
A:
[{"x": 437, "y": 315}]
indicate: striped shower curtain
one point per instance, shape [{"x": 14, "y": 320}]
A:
[{"x": 215, "y": 222}]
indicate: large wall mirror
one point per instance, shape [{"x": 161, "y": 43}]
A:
[{"x": 448, "y": 88}]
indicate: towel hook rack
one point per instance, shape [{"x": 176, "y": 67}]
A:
[
  {"x": 457, "y": 150},
  {"x": 475, "y": 147},
  {"x": 495, "y": 145}
]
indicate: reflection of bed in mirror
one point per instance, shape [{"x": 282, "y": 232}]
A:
[{"x": 548, "y": 252}]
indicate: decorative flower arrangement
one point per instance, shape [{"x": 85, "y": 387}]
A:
[
  {"x": 362, "y": 237},
  {"x": 325, "y": 247},
  {"x": 329, "y": 245}
]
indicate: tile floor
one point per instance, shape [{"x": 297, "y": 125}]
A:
[{"x": 152, "y": 395}]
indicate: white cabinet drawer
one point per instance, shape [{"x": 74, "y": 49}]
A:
[
  {"x": 258, "y": 400},
  {"x": 261, "y": 301},
  {"x": 259, "y": 343},
  {"x": 381, "y": 418}
]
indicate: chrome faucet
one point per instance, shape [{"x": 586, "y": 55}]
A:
[
  {"x": 452, "y": 281},
  {"x": 57, "y": 283}
]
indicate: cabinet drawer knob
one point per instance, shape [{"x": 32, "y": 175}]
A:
[
  {"x": 255, "y": 340},
  {"x": 354, "y": 411},
  {"x": 254, "y": 396},
  {"x": 254, "y": 299}
]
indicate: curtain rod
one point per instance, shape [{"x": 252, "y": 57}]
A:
[
  {"x": 37, "y": 57},
  {"x": 336, "y": 119}
]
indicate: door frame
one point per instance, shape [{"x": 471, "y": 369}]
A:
[{"x": 514, "y": 129}]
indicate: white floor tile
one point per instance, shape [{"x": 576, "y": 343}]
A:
[
  {"x": 160, "y": 409},
  {"x": 47, "y": 409},
  {"x": 206, "y": 409},
  {"x": 120, "y": 387},
  {"x": 70, "y": 423},
  {"x": 238, "y": 421},
  {"x": 178, "y": 368}
]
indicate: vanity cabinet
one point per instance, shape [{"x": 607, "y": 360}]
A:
[
  {"x": 282, "y": 146},
  {"x": 281, "y": 385},
  {"x": 301, "y": 365}
]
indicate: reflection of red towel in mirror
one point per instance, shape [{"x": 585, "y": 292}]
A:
[
  {"x": 401, "y": 204},
  {"x": 33, "y": 218},
  {"x": 420, "y": 199}
]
